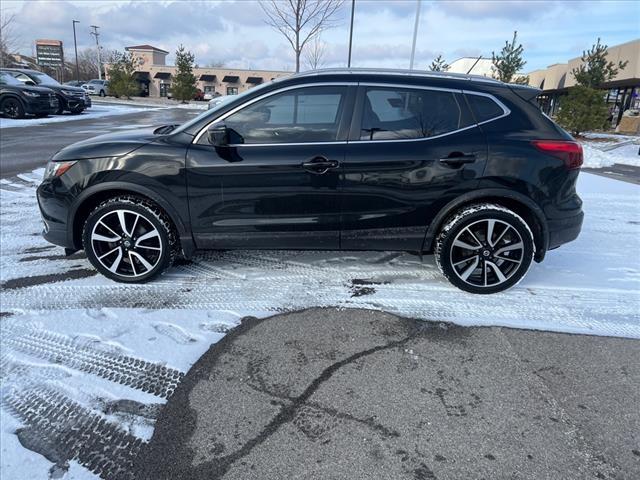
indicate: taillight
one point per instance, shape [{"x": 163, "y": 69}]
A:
[{"x": 569, "y": 152}]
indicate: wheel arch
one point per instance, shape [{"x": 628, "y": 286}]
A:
[
  {"x": 93, "y": 196},
  {"x": 15, "y": 96},
  {"x": 520, "y": 204}
]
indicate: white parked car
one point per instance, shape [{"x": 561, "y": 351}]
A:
[
  {"x": 214, "y": 102},
  {"x": 97, "y": 87}
]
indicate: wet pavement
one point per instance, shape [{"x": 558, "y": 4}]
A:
[
  {"x": 25, "y": 148},
  {"x": 336, "y": 394}
]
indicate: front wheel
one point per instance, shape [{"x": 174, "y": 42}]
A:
[
  {"x": 129, "y": 239},
  {"x": 484, "y": 248},
  {"x": 12, "y": 108}
]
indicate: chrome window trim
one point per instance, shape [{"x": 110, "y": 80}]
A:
[
  {"x": 505, "y": 109},
  {"x": 266, "y": 95}
]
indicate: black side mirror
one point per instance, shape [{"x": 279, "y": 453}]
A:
[{"x": 218, "y": 135}]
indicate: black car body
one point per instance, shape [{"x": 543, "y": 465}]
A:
[
  {"x": 465, "y": 167},
  {"x": 18, "y": 100},
  {"x": 71, "y": 99}
]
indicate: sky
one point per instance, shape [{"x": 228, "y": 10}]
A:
[{"x": 234, "y": 32}]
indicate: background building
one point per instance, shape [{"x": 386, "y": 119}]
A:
[
  {"x": 154, "y": 75},
  {"x": 477, "y": 66},
  {"x": 621, "y": 93}
]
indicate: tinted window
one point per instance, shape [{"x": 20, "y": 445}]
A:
[
  {"x": 298, "y": 116},
  {"x": 393, "y": 114},
  {"x": 484, "y": 108}
]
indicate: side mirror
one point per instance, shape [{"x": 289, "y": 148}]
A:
[{"x": 218, "y": 135}]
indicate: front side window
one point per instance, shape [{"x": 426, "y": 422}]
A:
[
  {"x": 298, "y": 116},
  {"x": 399, "y": 113}
]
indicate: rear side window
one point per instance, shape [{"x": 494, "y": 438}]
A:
[
  {"x": 484, "y": 108},
  {"x": 406, "y": 113}
]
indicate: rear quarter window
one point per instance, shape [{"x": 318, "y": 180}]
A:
[{"x": 484, "y": 108}]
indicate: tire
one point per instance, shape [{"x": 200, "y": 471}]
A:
[
  {"x": 102, "y": 94},
  {"x": 12, "y": 108},
  {"x": 42, "y": 115},
  {"x": 475, "y": 264},
  {"x": 77, "y": 110},
  {"x": 125, "y": 256}
]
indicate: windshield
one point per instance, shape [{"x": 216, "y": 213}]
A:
[
  {"x": 212, "y": 113},
  {"x": 44, "y": 79},
  {"x": 7, "y": 79}
]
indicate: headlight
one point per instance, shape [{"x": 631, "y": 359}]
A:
[
  {"x": 56, "y": 169},
  {"x": 68, "y": 93},
  {"x": 30, "y": 94}
]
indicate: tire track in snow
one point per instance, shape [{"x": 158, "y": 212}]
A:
[
  {"x": 62, "y": 430},
  {"x": 133, "y": 372}
]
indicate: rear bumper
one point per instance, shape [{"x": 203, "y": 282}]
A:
[{"x": 564, "y": 230}]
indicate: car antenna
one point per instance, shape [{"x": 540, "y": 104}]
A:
[{"x": 474, "y": 64}]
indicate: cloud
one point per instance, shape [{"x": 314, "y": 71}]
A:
[{"x": 479, "y": 10}]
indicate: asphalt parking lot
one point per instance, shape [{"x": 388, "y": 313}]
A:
[{"x": 328, "y": 393}]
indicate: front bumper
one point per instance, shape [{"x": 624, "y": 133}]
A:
[{"x": 54, "y": 211}]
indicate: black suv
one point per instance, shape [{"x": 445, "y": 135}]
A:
[
  {"x": 464, "y": 167},
  {"x": 17, "y": 99},
  {"x": 71, "y": 99}
]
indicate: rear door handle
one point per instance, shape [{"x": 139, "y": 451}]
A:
[
  {"x": 458, "y": 159},
  {"x": 320, "y": 165}
]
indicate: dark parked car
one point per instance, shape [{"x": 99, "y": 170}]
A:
[
  {"x": 464, "y": 167},
  {"x": 17, "y": 99},
  {"x": 72, "y": 99},
  {"x": 74, "y": 83}
]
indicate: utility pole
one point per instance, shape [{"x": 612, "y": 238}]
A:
[
  {"x": 353, "y": 8},
  {"x": 75, "y": 46},
  {"x": 415, "y": 35},
  {"x": 96, "y": 34}
]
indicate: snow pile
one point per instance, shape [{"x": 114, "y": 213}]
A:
[
  {"x": 96, "y": 111},
  {"x": 596, "y": 158}
]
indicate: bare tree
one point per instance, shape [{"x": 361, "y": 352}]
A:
[
  {"x": 300, "y": 21},
  {"x": 8, "y": 38},
  {"x": 314, "y": 55},
  {"x": 88, "y": 63}
]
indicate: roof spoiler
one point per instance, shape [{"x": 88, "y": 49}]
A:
[{"x": 525, "y": 92}]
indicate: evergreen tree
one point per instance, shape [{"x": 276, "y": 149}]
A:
[
  {"x": 582, "y": 109},
  {"x": 121, "y": 69},
  {"x": 509, "y": 62},
  {"x": 183, "y": 87},
  {"x": 439, "y": 65},
  {"x": 595, "y": 70}
]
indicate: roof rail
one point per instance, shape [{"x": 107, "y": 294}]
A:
[{"x": 398, "y": 72}]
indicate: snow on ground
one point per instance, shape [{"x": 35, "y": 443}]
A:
[
  {"x": 605, "y": 149},
  {"x": 86, "y": 361},
  {"x": 153, "y": 102},
  {"x": 96, "y": 111}
]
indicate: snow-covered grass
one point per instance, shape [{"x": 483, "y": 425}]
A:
[
  {"x": 88, "y": 343},
  {"x": 153, "y": 102},
  {"x": 96, "y": 111}
]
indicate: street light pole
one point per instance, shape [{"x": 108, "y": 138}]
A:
[
  {"x": 415, "y": 35},
  {"x": 96, "y": 34},
  {"x": 353, "y": 8},
  {"x": 75, "y": 46}
]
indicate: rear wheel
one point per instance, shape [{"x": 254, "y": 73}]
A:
[
  {"x": 102, "y": 94},
  {"x": 129, "y": 239},
  {"x": 484, "y": 248},
  {"x": 12, "y": 108}
]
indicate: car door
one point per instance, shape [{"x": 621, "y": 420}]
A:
[
  {"x": 411, "y": 151},
  {"x": 276, "y": 184}
]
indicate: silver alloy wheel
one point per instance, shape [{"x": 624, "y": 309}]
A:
[
  {"x": 487, "y": 253},
  {"x": 126, "y": 243}
]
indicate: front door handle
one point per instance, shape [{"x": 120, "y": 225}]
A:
[
  {"x": 456, "y": 159},
  {"x": 320, "y": 165}
]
